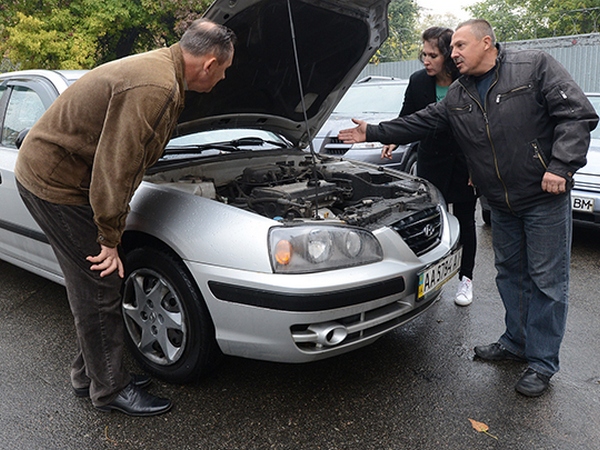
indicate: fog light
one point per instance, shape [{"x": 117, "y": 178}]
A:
[{"x": 329, "y": 333}]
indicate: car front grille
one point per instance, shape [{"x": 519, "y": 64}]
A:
[
  {"x": 334, "y": 146},
  {"x": 421, "y": 231},
  {"x": 358, "y": 327}
]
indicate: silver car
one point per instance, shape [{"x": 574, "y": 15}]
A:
[
  {"x": 239, "y": 241},
  {"x": 373, "y": 99}
]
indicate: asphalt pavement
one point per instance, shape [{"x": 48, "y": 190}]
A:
[{"x": 415, "y": 388}]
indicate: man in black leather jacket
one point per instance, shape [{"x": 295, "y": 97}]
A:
[{"x": 524, "y": 126}]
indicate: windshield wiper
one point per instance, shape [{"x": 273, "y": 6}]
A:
[{"x": 227, "y": 146}]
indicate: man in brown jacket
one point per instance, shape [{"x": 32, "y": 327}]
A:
[{"x": 77, "y": 171}]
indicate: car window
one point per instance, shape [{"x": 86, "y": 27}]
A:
[
  {"x": 24, "y": 108},
  {"x": 377, "y": 98}
]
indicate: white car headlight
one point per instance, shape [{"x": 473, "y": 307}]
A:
[
  {"x": 367, "y": 146},
  {"x": 314, "y": 248}
]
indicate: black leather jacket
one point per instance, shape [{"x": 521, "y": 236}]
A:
[{"x": 534, "y": 119}]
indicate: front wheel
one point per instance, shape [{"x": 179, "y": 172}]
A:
[
  {"x": 411, "y": 164},
  {"x": 168, "y": 325}
]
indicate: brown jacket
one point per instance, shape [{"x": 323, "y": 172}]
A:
[{"x": 96, "y": 140}]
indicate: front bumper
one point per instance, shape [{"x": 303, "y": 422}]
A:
[
  {"x": 303, "y": 318},
  {"x": 586, "y": 207}
]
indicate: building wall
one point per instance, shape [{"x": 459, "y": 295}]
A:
[{"x": 580, "y": 55}]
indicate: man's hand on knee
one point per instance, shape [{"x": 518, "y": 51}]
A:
[{"x": 107, "y": 261}]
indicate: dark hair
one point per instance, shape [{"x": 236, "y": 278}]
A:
[
  {"x": 480, "y": 29},
  {"x": 441, "y": 37},
  {"x": 203, "y": 37}
]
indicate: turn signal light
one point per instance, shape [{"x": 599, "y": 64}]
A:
[{"x": 283, "y": 252}]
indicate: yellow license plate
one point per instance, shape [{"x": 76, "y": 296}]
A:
[{"x": 434, "y": 276}]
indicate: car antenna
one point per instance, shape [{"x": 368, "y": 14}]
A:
[{"x": 314, "y": 181}]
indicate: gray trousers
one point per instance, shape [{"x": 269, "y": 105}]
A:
[{"x": 95, "y": 302}]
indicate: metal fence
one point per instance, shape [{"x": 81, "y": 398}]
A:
[{"x": 580, "y": 54}]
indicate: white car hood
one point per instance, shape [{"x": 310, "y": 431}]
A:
[{"x": 334, "y": 41}]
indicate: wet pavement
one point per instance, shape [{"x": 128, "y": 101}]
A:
[{"x": 415, "y": 388}]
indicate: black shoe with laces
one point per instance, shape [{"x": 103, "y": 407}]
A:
[{"x": 135, "y": 401}]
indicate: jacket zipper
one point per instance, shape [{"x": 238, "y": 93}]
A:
[
  {"x": 538, "y": 154},
  {"x": 512, "y": 91},
  {"x": 489, "y": 135}
]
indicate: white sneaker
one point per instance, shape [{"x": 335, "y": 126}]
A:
[{"x": 464, "y": 294}]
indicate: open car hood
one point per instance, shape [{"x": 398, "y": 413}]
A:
[{"x": 335, "y": 39}]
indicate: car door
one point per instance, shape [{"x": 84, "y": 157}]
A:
[{"x": 22, "y": 103}]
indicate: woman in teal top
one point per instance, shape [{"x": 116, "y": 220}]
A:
[{"x": 439, "y": 158}]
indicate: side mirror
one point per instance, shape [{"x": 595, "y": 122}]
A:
[{"x": 21, "y": 137}]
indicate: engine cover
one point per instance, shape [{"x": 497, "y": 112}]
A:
[{"x": 295, "y": 200}]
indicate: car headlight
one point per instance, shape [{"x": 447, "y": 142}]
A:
[
  {"x": 367, "y": 146},
  {"x": 314, "y": 248}
]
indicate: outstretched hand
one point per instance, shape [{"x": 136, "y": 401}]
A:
[
  {"x": 354, "y": 135},
  {"x": 107, "y": 261}
]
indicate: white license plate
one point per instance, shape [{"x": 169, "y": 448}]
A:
[
  {"x": 436, "y": 275},
  {"x": 585, "y": 204}
]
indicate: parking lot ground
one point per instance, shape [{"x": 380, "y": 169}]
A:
[{"x": 415, "y": 388}]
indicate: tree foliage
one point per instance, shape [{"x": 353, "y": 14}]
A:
[
  {"x": 403, "y": 39},
  {"x": 531, "y": 19},
  {"x": 80, "y": 34}
]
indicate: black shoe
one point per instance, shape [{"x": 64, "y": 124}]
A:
[
  {"x": 135, "y": 401},
  {"x": 532, "y": 383},
  {"x": 496, "y": 352},
  {"x": 138, "y": 380}
]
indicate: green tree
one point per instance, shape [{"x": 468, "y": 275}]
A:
[
  {"x": 403, "y": 39},
  {"x": 530, "y": 19},
  {"x": 70, "y": 34}
]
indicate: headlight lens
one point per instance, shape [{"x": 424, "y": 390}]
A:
[
  {"x": 352, "y": 244},
  {"x": 319, "y": 246},
  {"x": 314, "y": 248},
  {"x": 367, "y": 146}
]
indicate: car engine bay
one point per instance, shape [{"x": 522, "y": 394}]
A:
[{"x": 293, "y": 188}]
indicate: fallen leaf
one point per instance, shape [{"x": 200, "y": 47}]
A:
[{"x": 481, "y": 427}]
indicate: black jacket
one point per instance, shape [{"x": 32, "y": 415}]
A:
[
  {"x": 534, "y": 119},
  {"x": 440, "y": 159}
]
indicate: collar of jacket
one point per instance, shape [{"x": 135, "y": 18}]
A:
[{"x": 177, "y": 55}]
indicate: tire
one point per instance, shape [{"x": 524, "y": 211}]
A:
[
  {"x": 167, "y": 323},
  {"x": 411, "y": 164}
]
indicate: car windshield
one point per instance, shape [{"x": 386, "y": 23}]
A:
[
  {"x": 379, "y": 98},
  {"x": 216, "y": 142},
  {"x": 220, "y": 136}
]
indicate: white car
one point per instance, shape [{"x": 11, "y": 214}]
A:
[
  {"x": 585, "y": 196},
  {"x": 239, "y": 241},
  {"x": 373, "y": 99}
]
